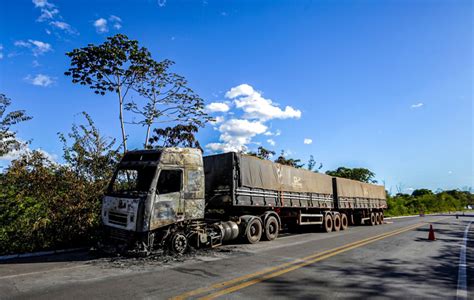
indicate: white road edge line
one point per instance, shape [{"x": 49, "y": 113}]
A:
[{"x": 461, "y": 292}]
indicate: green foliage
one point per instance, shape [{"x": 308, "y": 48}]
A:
[
  {"x": 8, "y": 139},
  {"x": 44, "y": 205},
  {"x": 262, "y": 153},
  {"x": 360, "y": 174},
  {"x": 312, "y": 165},
  {"x": 179, "y": 135},
  {"x": 428, "y": 202},
  {"x": 296, "y": 163}
]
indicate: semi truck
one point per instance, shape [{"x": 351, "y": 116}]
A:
[{"x": 176, "y": 198}]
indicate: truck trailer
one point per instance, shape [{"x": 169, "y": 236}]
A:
[{"x": 176, "y": 198}]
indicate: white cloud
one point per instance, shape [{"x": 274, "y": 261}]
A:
[
  {"x": 161, "y": 3},
  {"x": 48, "y": 10},
  {"x": 450, "y": 172},
  {"x": 236, "y": 134},
  {"x": 257, "y": 107},
  {"x": 15, "y": 154},
  {"x": 63, "y": 26},
  {"x": 417, "y": 105},
  {"x": 116, "y": 22},
  {"x": 40, "y": 80},
  {"x": 217, "y": 120},
  {"x": 101, "y": 25},
  {"x": 37, "y": 47},
  {"x": 308, "y": 141},
  {"x": 1, "y": 51},
  {"x": 217, "y": 107}
]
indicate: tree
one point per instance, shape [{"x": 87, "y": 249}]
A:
[
  {"x": 421, "y": 192},
  {"x": 262, "y": 153},
  {"x": 360, "y": 174},
  {"x": 179, "y": 135},
  {"x": 312, "y": 165},
  {"x": 169, "y": 99},
  {"x": 288, "y": 161},
  {"x": 8, "y": 139},
  {"x": 91, "y": 155},
  {"x": 114, "y": 66}
]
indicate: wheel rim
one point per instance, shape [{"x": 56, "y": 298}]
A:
[
  {"x": 344, "y": 221},
  {"x": 180, "y": 243}
]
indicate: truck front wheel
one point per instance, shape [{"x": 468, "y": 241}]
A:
[
  {"x": 271, "y": 228},
  {"x": 253, "y": 231},
  {"x": 178, "y": 243}
]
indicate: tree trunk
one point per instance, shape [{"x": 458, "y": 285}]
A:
[{"x": 122, "y": 126}]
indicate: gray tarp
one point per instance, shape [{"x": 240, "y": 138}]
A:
[
  {"x": 264, "y": 174},
  {"x": 357, "y": 189}
]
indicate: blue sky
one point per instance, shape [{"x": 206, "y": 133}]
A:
[{"x": 385, "y": 85}]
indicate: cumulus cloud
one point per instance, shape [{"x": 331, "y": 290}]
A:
[
  {"x": 217, "y": 107},
  {"x": 217, "y": 120},
  {"x": 256, "y": 106},
  {"x": 307, "y": 141},
  {"x": 102, "y": 25},
  {"x": 37, "y": 47},
  {"x": 40, "y": 80},
  {"x": 51, "y": 14},
  {"x": 255, "y": 110},
  {"x": 236, "y": 134},
  {"x": 417, "y": 105}
]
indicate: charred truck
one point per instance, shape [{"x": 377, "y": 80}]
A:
[{"x": 174, "y": 198}]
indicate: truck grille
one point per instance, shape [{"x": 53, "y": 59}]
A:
[{"x": 118, "y": 218}]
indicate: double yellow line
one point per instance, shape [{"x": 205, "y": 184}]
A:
[{"x": 241, "y": 282}]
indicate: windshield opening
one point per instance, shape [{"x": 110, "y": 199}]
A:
[{"x": 133, "y": 180}]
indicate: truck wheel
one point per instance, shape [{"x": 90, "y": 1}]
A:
[
  {"x": 344, "y": 222},
  {"x": 372, "y": 220},
  {"x": 377, "y": 218},
  {"x": 336, "y": 222},
  {"x": 253, "y": 231},
  {"x": 179, "y": 243},
  {"x": 271, "y": 229},
  {"x": 381, "y": 217},
  {"x": 327, "y": 225}
]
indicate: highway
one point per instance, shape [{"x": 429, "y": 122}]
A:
[{"x": 391, "y": 261}]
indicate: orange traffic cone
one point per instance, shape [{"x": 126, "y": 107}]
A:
[{"x": 431, "y": 235}]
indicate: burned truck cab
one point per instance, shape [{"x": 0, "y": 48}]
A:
[{"x": 152, "y": 190}]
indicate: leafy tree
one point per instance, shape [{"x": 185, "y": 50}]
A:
[
  {"x": 169, "y": 99},
  {"x": 421, "y": 192},
  {"x": 179, "y": 135},
  {"x": 312, "y": 165},
  {"x": 262, "y": 153},
  {"x": 114, "y": 66},
  {"x": 91, "y": 155},
  {"x": 296, "y": 163},
  {"x": 360, "y": 174},
  {"x": 8, "y": 139}
]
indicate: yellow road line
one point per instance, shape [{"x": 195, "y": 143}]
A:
[{"x": 289, "y": 266}]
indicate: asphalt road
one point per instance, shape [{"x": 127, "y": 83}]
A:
[{"x": 394, "y": 260}]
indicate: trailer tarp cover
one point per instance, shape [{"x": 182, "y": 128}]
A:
[
  {"x": 356, "y": 189},
  {"x": 264, "y": 174}
]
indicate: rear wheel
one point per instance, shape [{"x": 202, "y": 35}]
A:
[
  {"x": 377, "y": 218},
  {"x": 271, "y": 229},
  {"x": 372, "y": 219},
  {"x": 381, "y": 217},
  {"x": 337, "y": 222},
  {"x": 344, "y": 222},
  {"x": 253, "y": 231},
  {"x": 327, "y": 224}
]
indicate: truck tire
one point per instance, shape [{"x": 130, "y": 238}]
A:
[
  {"x": 327, "y": 225},
  {"x": 344, "y": 222},
  {"x": 377, "y": 218},
  {"x": 271, "y": 229},
  {"x": 372, "y": 219},
  {"x": 253, "y": 231},
  {"x": 381, "y": 218},
  {"x": 178, "y": 243},
  {"x": 336, "y": 220}
]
